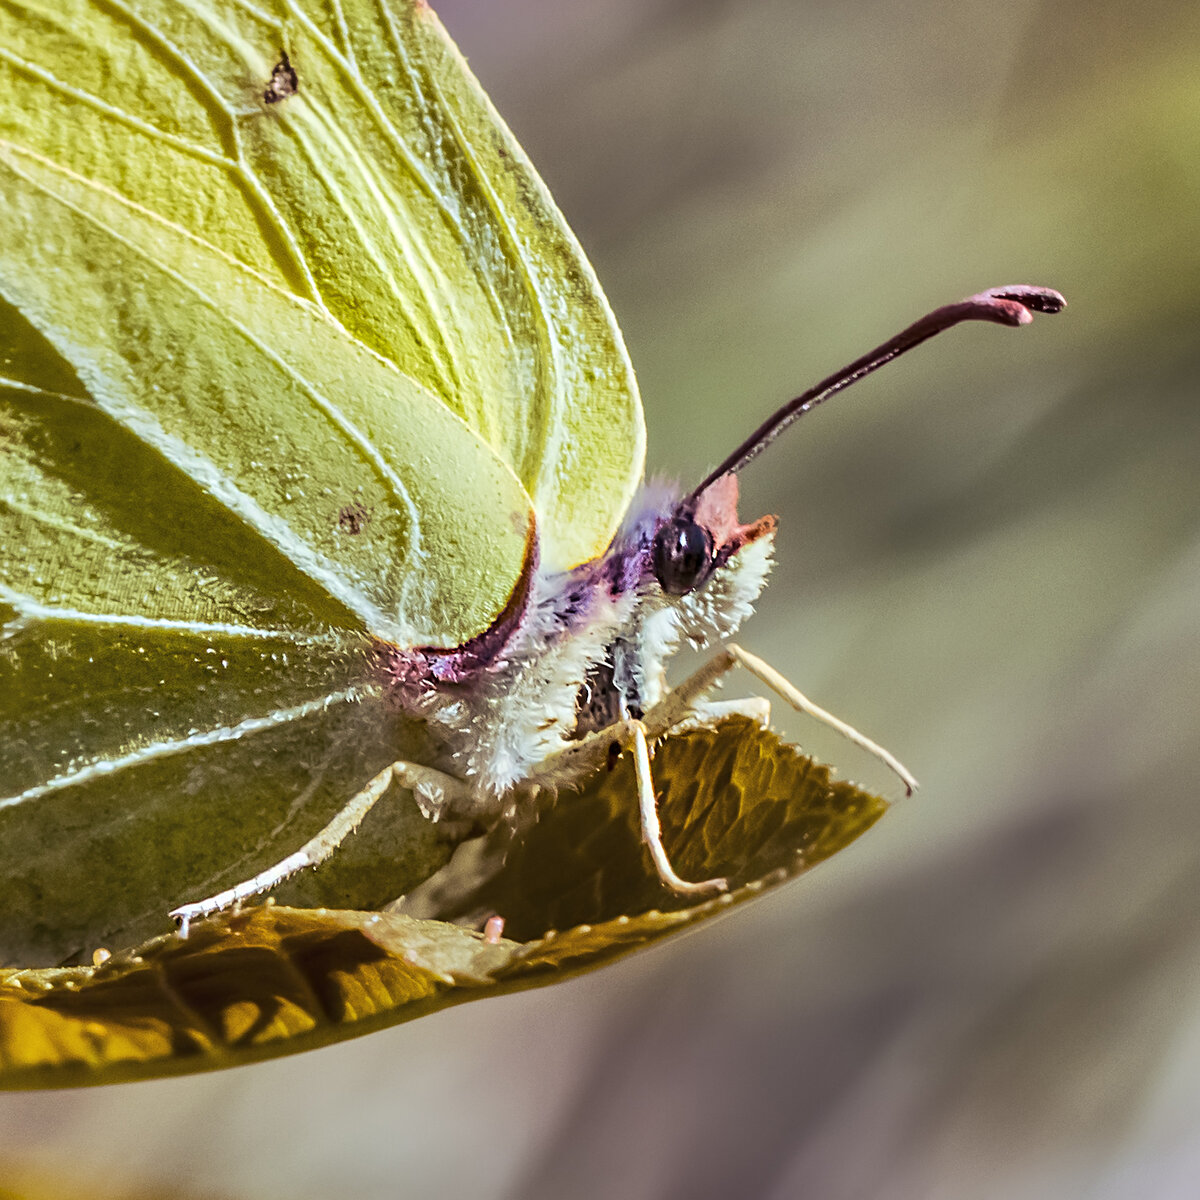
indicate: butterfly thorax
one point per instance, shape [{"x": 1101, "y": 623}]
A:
[{"x": 574, "y": 653}]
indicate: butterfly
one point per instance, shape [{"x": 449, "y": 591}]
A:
[{"x": 321, "y": 474}]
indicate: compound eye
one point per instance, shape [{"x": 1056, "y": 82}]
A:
[{"x": 683, "y": 556}]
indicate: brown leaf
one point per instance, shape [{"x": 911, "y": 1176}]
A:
[{"x": 576, "y": 890}]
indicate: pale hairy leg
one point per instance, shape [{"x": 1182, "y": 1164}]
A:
[
  {"x": 678, "y": 708},
  {"x": 679, "y": 705},
  {"x": 709, "y": 712},
  {"x": 765, "y": 673},
  {"x": 652, "y": 830},
  {"x": 572, "y": 766},
  {"x": 436, "y": 793}
]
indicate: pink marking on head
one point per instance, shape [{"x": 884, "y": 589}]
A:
[
  {"x": 716, "y": 511},
  {"x": 716, "y": 508}
]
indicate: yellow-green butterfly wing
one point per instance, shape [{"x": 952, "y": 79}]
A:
[
  {"x": 386, "y": 191},
  {"x": 277, "y": 377}
]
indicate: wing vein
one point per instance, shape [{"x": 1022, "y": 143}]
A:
[
  {"x": 418, "y": 170},
  {"x": 153, "y": 751},
  {"x": 337, "y": 420},
  {"x": 40, "y": 393},
  {"x": 224, "y": 117},
  {"x": 549, "y": 361},
  {"x": 437, "y": 348},
  {"x": 452, "y": 215},
  {"x": 31, "y": 611},
  {"x": 117, "y": 114},
  {"x": 62, "y": 526}
]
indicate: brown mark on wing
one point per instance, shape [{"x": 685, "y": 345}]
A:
[
  {"x": 284, "y": 81},
  {"x": 354, "y": 517}
]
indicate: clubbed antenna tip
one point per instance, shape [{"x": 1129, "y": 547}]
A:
[{"x": 1005, "y": 305}]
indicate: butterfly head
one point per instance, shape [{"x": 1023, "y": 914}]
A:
[
  {"x": 708, "y": 567},
  {"x": 693, "y": 572},
  {"x": 701, "y": 535}
]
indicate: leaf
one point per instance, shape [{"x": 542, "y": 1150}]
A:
[{"x": 577, "y": 891}]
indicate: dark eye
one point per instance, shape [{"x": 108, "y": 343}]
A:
[{"x": 683, "y": 555}]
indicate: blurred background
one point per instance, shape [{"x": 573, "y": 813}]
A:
[{"x": 989, "y": 560}]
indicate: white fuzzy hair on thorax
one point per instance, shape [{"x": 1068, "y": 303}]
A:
[{"x": 522, "y": 709}]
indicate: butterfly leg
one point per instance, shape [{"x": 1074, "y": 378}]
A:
[
  {"x": 679, "y": 705},
  {"x": 436, "y": 792},
  {"x": 652, "y": 830},
  {"x": 572, "y": 766}
]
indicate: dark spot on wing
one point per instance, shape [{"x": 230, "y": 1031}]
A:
[
  {"x": 284, "y": 82},
  {"x": 355, "y": 517}
]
